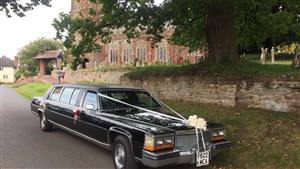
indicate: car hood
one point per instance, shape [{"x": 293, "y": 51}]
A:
[
  {"x": 149, "y": 122},
  {"x": 154, "y": 123}
]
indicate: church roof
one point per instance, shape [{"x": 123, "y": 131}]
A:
[
  {"x": 54, "y": 54},
  {"x": 6, "y": 62}
]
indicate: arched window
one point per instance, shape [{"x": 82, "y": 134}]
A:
[
  {"x": 141, "y": 53},
  {"x": 126, "y": 55},
  {"x": 113, "y": 56},
  {"x": 161, "y": 53}
]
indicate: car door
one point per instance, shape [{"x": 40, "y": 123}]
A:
[
  {"x": 52, "y": 109},
  {"x": 90, "y": 123},
  {"x": 65, "y": 108}
]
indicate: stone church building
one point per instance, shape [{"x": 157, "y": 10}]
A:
[{"x": 121, "y": 53}]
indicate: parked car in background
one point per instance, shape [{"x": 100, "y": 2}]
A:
[{"x": 153, "y": 138}]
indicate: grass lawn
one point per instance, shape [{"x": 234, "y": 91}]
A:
[
  {"x": 260, "y": 139},
  {"x": 33, "y": 89},
  {"x": 245, "y": 68}
]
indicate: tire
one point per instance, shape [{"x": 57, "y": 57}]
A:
[
  {"x": 45, "y": 125},
  {"x": 122, "y": 153}
]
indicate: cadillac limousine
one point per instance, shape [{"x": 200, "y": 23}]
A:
[{"x": 135, "y": 135}]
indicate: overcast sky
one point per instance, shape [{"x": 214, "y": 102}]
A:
[{"x": 16, "y": 32}]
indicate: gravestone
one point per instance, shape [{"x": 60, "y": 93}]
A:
[
  {"x": 135, "y": 62},
  {"x": 263, "y": 55},
  {"x": 296, "y": 60},
  {"x": 272, "y": 55}
]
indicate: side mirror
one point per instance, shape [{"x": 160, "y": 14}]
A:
[{"x": 90, "y": 107}]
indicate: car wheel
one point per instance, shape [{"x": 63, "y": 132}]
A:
[
  {"x": 123, "y": 157},
  {"x": 45, "y": 125}
]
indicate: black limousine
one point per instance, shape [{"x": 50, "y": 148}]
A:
[{"x": 138, "y": 128}]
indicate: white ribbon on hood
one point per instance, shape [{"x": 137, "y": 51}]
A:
[{"x": 198, "y": 123}]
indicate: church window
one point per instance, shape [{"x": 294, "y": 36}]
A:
[{"x": 161, "y": 53}]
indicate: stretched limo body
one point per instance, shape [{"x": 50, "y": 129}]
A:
[{"x": 134, "y": 135}]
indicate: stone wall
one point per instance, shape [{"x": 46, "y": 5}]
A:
[
  {"x": 278, "y": 94},
  {"x": 93, "y": 76},
  {"x": 188, "y": 89},
  {"x": 273, "y": 94}
]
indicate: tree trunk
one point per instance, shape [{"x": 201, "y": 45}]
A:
[{"x": 221, "y": 35}]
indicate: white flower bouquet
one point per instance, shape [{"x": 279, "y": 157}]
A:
[{"x": 198, "y": 123}]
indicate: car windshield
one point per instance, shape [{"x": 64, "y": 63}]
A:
[{"x": 137, "y": 98}]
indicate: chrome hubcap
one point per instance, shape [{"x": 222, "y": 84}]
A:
[
  {"x": 43, "y": 121},
  {"x": 120, "y": 156}
]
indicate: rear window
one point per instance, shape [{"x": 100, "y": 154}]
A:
[
  {"x": 66, "y": 95},
  {"x": 55, "y": 94}
]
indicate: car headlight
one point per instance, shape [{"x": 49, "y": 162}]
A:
[
  {"x": 160, "y": 142},
  {"x": 218, "y": 135}
]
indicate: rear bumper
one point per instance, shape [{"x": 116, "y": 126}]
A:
[{"x": 176, "y": 157}]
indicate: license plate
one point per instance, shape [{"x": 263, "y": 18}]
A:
[{"x": 202, "y": 158}]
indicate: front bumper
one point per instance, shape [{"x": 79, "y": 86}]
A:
[
  {"x": 35, "y": 113},
  {"x": 176, "y": 157}
]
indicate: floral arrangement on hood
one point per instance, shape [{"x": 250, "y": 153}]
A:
[{"x": 198, "y": 123}]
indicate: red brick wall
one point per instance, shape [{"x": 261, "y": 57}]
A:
[{"x": 176, "y": 54}]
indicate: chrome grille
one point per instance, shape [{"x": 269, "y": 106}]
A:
[{"x": 186, "y": 140}]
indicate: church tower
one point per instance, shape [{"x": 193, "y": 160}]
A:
[{"x": 81, "y": 7}]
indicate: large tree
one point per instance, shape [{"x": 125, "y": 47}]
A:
[
  {"x": 28, "y": 65},
  {"x": 224, "y": 25},
  {"x": 17, "y": 7}
]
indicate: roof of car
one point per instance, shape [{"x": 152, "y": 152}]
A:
[{"x": 98, "y": 87}]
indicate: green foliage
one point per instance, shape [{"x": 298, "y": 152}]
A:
[
  {"x": 287, "y": 48},
  {"x": 244, "y": 69},
  {"x": 261, "y": 22},
  {"x": 33, "y": 89},
  {"x": 18, "y": 74},
  {"x": 14, "y": 6},
  {"x": 257, "y": 136},
  {"x": 66, "y": 29},
  {"x": 256, "y": 22},
  {"x": 29, "y": 66}
]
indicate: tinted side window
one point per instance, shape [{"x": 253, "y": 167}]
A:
[
  {"x": 74, "y": 97},
  {"x": 66, "y": 95},
  {"x": 90, "y": 99},
  {"x": 54, "y": 96}
]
